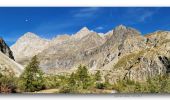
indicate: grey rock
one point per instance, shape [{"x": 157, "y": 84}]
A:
[
  {"x": 5, "y": 49},
  {"x": 7, "y": 63}
]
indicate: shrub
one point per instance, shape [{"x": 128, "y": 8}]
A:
[
  {"x": 126, "y": 86},
  {"x": 65, "y": 89},
  {"x": 51, "y": 81},
  {"x": 100, "y": 85},
  {"x": 157, "y": 84},
  {"x": 7, "y": 84},
  {"x": 78, "y": 82},
  {"x": 72, "y": 82},
  {"x": 98, "y": 76}
]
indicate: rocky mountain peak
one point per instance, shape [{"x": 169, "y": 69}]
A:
[
  {"x": 120, "y": 27},
  {"x": 82, "y": 32},
  {"x": 30, "y": 35},
  {"x": 84, "y": 29},
  {"x": 122, "y": 30},
  {"x": 28, "y": 45}
]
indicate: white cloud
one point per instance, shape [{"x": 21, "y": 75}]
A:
[
  {"x": 99, "y": 28},
  {"x": 86, "y": 12},
  {"x": 145, "y": 15},
  {"x": 140, "y": 14}
]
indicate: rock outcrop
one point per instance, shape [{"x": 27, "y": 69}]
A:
[
  {"x": 7, "y": 63},
  {"x": 150, "y": 61},
  {"x": 5, "y": 49},
  {"x": 59, "y": 39},
  {"x": 9, "y": 66}
]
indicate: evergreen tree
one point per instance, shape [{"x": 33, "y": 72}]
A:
[
  {"x": 82, "y": 75},
  {"x": 72, "y": 80},
  {"x": 72, "y": 84},
  {"x": 98, "y": 76},
  {"x": 32, "y": 77}
]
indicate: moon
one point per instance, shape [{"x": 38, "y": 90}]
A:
[{"x": 26, "y": 20}]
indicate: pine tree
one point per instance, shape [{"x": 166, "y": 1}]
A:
[
  {"x": 32, "y": 77},
  {"x": 98, "y": 76},
  {"x": 82, "y": 76},
  {"x": 72, "y": 80}
]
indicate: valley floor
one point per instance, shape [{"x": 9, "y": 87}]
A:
[
  {"x": 48, "y": 91},
  {"x": 96, "y": 91}
]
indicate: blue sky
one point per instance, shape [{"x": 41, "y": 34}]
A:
[{"x": 52, "y": 21}]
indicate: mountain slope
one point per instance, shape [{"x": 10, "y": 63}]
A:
[
  {"x": 148, "y": 62},
  {"x": 27, "y": 46},
  {"x": 66, "y": 55},
  {"x": 8, "y": 66},
  {"x": 7, "y": 63},
  {"x": 59, "y": 39}
]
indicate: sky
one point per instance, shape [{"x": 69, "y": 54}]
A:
[{"x": 48, "y": 22}]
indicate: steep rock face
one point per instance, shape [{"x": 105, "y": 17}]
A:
[
  {"x": 9, "y": 66},
  {"x": 149, "y": 62},
  {"x": 5, "y": 49},
  {"x": 92, "y": 50},
  {"x": 123, "y": 41},
  {"x": 157, "y": 38},
  {"x": 127, "y": 54},
  {"x": 59, "y": 39},
  {"x": 7, "y": 63},
  {"x": 108, "y": 34},
  {"x": 70, "y": 53},
  {"x": 27, "y": 46}
]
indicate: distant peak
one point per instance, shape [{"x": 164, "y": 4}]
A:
[
  {"x": 121, "y": 27},
  {"x": 84, "y": 28},
  {"x": 82, "y": 32},
  {"x": 126, "y": 29},
  {"x": 31, "y": 35}
]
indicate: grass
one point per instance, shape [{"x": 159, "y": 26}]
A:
[
  {"x": 157, "y": 84},
  {"x": 131, "y": 58},
  {"x": 165, "y": 41}
]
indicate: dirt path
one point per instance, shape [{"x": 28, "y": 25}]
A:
[
  {"x": 57, "y": 90},
  {"x": 48, "y": 91},
  {"x": 102, "y": 91},
  {"x": 110, "y": 91}
]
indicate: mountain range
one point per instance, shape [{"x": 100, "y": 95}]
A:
[{"x": 122, "y": 52}]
